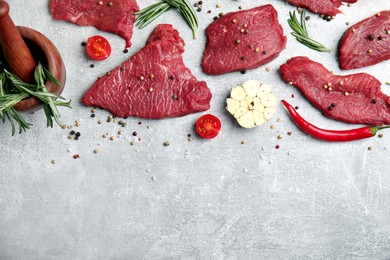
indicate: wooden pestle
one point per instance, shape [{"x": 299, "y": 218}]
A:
[{"x": 16, "y": 53}]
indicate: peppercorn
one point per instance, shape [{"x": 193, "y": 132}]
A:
[
  {"x": 93, "y": 115},
  {"x": 125, "y": 51},
  {"x": 78, "y": 134},
  {"x": 72, "y": 132},
  {"x": 243, "y": 72},
  {"x": 327, "y": 17},
  {"x": 371, "y": 36},
  {"x": 134, "y": 133}
]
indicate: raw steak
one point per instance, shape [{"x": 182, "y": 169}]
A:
[
  {"x": 355, "y": 98},
  {"x": 366, "y": 43},
  {"x": 115, "y": 16},
  {"x": 154, "y": 83},
  {"x": 329, "y": 7},
  {"x": 243, "y": 40}
]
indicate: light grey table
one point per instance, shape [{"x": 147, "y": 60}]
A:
[{"x": 233, "y": 197}]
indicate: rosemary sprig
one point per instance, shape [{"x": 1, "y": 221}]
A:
[
  {"x": 7, "y": 101},
  {"x": 301, "y": 34},
  {"x": 21, "y": 90},
  {"x": 152, "y": 12}
]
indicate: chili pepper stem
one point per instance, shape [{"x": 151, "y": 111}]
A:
[{"x": 374, "y": 129}]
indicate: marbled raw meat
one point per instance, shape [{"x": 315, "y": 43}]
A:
[
  {"x": 115, "y": 16},
  {"x": 355, "y": 98},
  {"x": 366, "y": 43},
  {"x": 329, "y": 7},
  {"x": 243, "y": 40},
  {"x": 154, "y": 83}
]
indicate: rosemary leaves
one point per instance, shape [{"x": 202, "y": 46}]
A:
[
  {"x": 152, "y": 12},
  {"x": 301, "y": 34},
  {"x": 13, "y": 90}
]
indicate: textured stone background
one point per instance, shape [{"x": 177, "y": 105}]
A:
[{"x": 205, "y": 199}]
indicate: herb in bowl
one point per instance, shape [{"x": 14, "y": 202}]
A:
[{"x": 14, "y": 90}]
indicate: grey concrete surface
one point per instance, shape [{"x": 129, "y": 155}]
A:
[{"x": 200, "y": 199}]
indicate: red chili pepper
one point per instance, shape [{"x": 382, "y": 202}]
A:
[{"x": 331, "y": 135}]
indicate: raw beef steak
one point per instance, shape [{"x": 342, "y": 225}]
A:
[
  {"x": 115, "y": 16},
  {"x": 355, "y": 98},
  {"x": 366, "y": 43},
  {"x": 154, "y": 83},
  {"x": 329, "y": 7},
  {"x": 243, "y": 40}
]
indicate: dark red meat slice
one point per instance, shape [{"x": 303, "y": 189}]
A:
[
  {"x": 154, "y": 83},
  {"x": 115, "y": 16},
  {"x": 355, "y": 98},
  {"x": 366, "y": 43},
  {"x": 329, "y": 7},
  {"x": 243, "y": 40}
]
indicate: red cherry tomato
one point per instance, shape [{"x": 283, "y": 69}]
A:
[
  {"x": 98, "y": 48},
  {"x": 208, "y": 126}
]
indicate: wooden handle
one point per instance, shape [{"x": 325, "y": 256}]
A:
[{"x": 16, "y": 53}]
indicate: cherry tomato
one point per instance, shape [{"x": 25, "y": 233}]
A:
[
  {"x": 98, "y": 48},
  {"x": 208, "y": 126}
]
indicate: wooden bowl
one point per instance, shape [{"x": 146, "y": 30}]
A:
[{"x": 44, "y": 51}]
